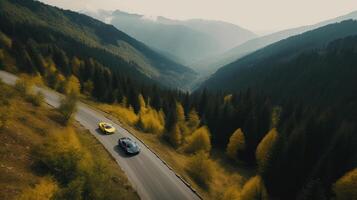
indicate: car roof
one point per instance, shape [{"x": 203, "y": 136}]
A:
[{"x": 127, "y": 139}]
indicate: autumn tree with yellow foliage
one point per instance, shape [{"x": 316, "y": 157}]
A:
[
  {"x": 142, "y": 103},
  {"x": 79, "y": 175},
  {"x": 264, "y": 149},
  {"x": 72, "y": 85},
  {"x": 236, "y": 143},
  {"x": 5, "y": 40},
  {"x": 76, "y": 63},
  {"x": 176, "y": 134},
  {"x": 180, "y": 112},
  {"x": 193, "y": 121},
  {"x": 201, "y": 168},
  {"x": 60, "y": 155},
  {"x": 200, "y": 140},
  {"x": 45, "y": 190},
  {"x": 68, "y": 107},
  {"x": 228, "y": 98},
  {"x": 232, "y": 193},
  {"x": 150, "y": 120},
  {"x": 254, "y": 189},
  {"x": 52, "y": 77},
  {"x": 345, "y": 188},
  {"x": 24, "y": 85}
]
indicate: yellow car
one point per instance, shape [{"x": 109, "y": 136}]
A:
[{"x": 106, "y": 128}]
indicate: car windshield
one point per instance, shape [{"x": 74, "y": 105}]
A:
[
  {"x": 107, "y": 126},
  {"x": 131, "y": 144}
]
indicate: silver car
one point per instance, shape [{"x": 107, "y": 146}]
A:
[{"x": 129, "y": 145}]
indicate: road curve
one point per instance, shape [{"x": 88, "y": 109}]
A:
[{"x": 149, "y": 176}]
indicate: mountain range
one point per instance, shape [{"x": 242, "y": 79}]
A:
[
  {"x": 315, "y": 66},
  {"x": 186, "y": 41},
  {"x": 215, "y": 62},
  {"x": 82, "y": 36}
]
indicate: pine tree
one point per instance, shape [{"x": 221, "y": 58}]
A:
[
  {"x": 313, "y": 190},
  {"x": 170, "y": 113},
  {"x": 203, "y": 103},
  {"x": 88, "y": 87},
  {"x": 175, "y": 136},
  {"x": 186, "y": 102},
  {"x": 156, "y": 100},
  {"x": 61, "y": 60}
]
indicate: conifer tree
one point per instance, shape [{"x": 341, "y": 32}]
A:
[
  {"x": 236, "y": 143},
  {"x": 200, "y": 140},
  {"x": 193, "y": 120},
  {"x": 142, "y": 104},
  {"x": 72, "y": 85},
  {"x": 254, "y": 189},
  {"x": 88, "y": 87},
  {"x": 180, "y": 112},
  {"x": 345, "y": 188},
  {"x": 264, "y": 148},
  {"x": 175, "y": 136}
]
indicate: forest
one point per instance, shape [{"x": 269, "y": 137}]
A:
[
  {"x": 57, "y": 30},
  {"x": 301, "y": 146},
  {"x": 298, "y": 132}
]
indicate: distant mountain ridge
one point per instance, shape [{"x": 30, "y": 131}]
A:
[
  {"x": 113, "y": 48},
  {"x": 294, "y": 67},
  {"x": 186, "y": 41},
  {"x": 250, "y": 46}
]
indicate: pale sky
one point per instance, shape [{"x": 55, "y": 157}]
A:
[{"x": 255, "y": 15}]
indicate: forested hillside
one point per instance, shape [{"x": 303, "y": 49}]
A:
[
  {"x": 44, "y": 33},
  {"x": 255, "y": 44},
  {"x": 289, "y": 110},
  {"x": 42, "y": 158},
  {"x": 311, "y": 84},
  {"x": 245, "y": 72}
]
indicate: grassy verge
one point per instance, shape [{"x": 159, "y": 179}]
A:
[
  {"x": 226, "y": 176},
  {"x": 28, "y": 127}
]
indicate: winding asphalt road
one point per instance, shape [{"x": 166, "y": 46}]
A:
[{"x": 149, "y": 176}]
